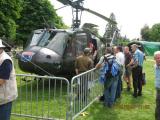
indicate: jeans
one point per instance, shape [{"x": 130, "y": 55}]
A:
[
  {"x": 110, "y": 92},
  {"x": 5, "y": 111},
  {"x": 119, "y": 86},
  {"x": 157, "y": 110}
]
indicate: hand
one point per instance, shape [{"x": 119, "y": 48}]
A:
[{"x": 128, "y": 65}]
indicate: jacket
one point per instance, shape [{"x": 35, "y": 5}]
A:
[{"x": 8, "y": 90}]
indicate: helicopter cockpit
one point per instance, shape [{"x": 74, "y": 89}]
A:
[
  {"x": 36, "y": 37},
  {"x": 58, "y": 43}
]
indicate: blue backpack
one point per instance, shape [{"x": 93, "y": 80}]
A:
[{"x": 110, "y": 69}]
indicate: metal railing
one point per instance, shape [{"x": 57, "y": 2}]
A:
[
  {"x": 41, "y": 97},
  {"x": 85, "y": 89}
]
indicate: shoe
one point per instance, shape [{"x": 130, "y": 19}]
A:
[
  {"x": 109, "y": 105},
  {"x": 101, "y": 98},
  {"x": 134, "y": 95},
  {"x": 139, "y": 94},
  {"x": 118, "y": 95},
  {"x": 128, "y": 89}
]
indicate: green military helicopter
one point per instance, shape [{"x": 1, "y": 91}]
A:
[{"x": 53, "y": 51}]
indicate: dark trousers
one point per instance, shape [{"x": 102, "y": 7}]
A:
[
  {"x": 119, "y": 87},
  {"x": 137, "y": 79},
  {"x": 5, "y": 111},
  {"x": 157, "y": 110}
]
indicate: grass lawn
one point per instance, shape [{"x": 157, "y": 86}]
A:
[
  {"x": 127, "y": 107},
  {"x": 36, "y": 99},
  {"x": 40, "y": 97}
]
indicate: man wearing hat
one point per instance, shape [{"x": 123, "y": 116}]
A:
[
  {"x": 137, "y": 65},
  {"x": 82, "y": 64},
  {"x": 8, "y": 85}
]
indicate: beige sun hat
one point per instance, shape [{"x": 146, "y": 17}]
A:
[
  {"x": 1, "y": 45},
  {"x": 87, "y": 50}
]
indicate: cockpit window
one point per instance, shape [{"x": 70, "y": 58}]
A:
[
  {"x": 44, "y": 39},
  {"x": 41, "y": 37},
  {"x": 35, "y": 38},
  {"x": 81, "y": 42},
  {"x": 58, "y": 43}
]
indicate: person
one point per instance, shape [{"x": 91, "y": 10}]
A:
[
  {"x": 110, "y": 84},
  {"x": 120, "y": 58},
  {"x": 93, "y": 47},
  {"x": 127, "y": 73},
  {"x": 157, "y": 84},
  {"x": 137, "y": 65},
  {"x": 82, "y": 64},
  {"x": 8, "y": 86}
]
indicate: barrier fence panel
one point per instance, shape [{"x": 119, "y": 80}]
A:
[
  {"x": 85, "y": 89},
  {"x": 41, "y": 97}
]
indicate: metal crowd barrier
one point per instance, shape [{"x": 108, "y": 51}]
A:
[
  {"x": 85, "y": 89},
  {"x": 41, "y": 97}
]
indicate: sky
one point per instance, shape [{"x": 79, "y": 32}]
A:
[{"x": 131, "y": 15}]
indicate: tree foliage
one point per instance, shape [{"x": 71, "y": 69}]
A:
[
  {"x": 110, "y": 29},
  {"x": 9, "y": 12},
  {"x": 155, "y": 32},
  {"x": 19, "y": 17},
  {"x": 36, "y": 14},
  {"x": 145, "y": 32},
  {"x": 151, "y": 34}
]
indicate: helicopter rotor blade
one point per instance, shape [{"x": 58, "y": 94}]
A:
[
  {"x": 99, "y": 15},
  {"x": 66, "y": 2},
  {"x": 61, "y": 7},
  {"x": 75, "y": 4}
]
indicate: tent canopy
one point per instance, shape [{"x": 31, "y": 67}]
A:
[{"x": 148, "y": 47}]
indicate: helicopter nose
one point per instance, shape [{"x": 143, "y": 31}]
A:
[
  {"x": 26, "y": 56},
  {"x": 47, "y": 56}
]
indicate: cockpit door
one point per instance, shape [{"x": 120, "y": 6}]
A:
[{"x": 81, "y": 42}]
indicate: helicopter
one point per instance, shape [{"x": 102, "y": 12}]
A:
[{"x": 52, "y": 51}]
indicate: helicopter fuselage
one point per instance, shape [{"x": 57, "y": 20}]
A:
[{"x": 53, "y": 51}]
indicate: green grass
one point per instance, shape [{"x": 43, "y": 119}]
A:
[
  {"x": 37, "y": 101},
  {"x": 54, "y": 106},
  {"x": 127, "y": 107}
]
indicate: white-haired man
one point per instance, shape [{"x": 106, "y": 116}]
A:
[
  {"x": 137, "y": 65},
  {"x": 157, "y": 84}
]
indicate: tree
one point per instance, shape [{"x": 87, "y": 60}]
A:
[
  {"x": 145, "y": 33},
  {"x": 9, "y": 12},
  {"x": 36, "y": 14},
  {"x": 152, "y": 34},
  {"x": 155, "y": 32},
  {"x": 110, "y": 29}
]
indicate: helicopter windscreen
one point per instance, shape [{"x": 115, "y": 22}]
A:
[
  {"x": 44, "y": 39},
  {"x": 81, "y": 42},
  {"x": 41, "y": 37},
  {"x": 58, "y": 43},
  {"x": 35, "y": 37}
]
